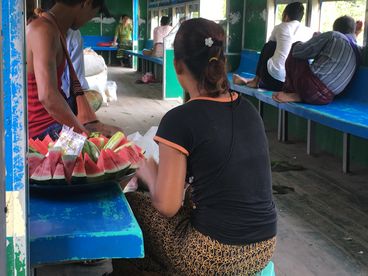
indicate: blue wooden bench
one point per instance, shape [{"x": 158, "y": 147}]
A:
[
  {"x": 83, "y": 226},
  {"x": 139, "y": 54},
  {"x": 91, "y": 41},
  {"x": 147, "y": 62},
  {"x": 347, "y": 113}
]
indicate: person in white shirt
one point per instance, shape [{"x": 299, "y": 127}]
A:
[
  {"x": 270, "y": 72},
  {"x": 159, "y": 33},
  {"x": 74, "y": 44}
]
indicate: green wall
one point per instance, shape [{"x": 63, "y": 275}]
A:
[
  {"x": 142, "y": 30},
  {"x": 116, "y": 8},
  {"x": 235, "y": 31},
  {"x": 255, "y": 24}
]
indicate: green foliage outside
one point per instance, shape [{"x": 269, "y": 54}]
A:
[{"x": 330, "y": 11}]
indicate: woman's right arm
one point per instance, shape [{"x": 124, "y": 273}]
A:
[{"x": 166, "y": 180}]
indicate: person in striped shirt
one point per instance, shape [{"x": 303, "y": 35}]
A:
[{"x": 335, "y": 57}]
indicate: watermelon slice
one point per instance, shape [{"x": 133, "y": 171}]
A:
[
  {"x": 106, "y": 163},
  {"x": 38, "y": 146},
  {"x": 122, "y": 164},
  {"x": 58, "y": 177},
  {"x": 42, "y": 174},
  {"x": 69, "y": 162},
  {"x": 54, "y": 156},
  {"x": 34, "y": 160},
  {"x": 128, "y": 154},
  {"x": 98, "y": 142},
  {"x": 47, "y": 140},
  {"x": 79, "y": 172},
  {"x": 93, "y": 172}
]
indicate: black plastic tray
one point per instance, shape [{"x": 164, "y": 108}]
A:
[{"x": 67, "y": 188}]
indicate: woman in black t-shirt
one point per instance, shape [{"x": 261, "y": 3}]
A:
[{"x": 215, "y": 143}]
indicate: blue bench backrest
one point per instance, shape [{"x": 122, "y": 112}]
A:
[
  {"x": 94, "y": 39},
  {"x": 248, "y": 61},
  {"x": 148, "y": 44},
  {"x": 357, "y": 90}
]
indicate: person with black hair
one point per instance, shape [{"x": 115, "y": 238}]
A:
[
  {"x": 215, "y": 143},
  {"x": 336, "y": 57},
  {"x": 48, "y": 108},
  {"x": 270, "y": 73},
  {"x": 159, "y": 33}
]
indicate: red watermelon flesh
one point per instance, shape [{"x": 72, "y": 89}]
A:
[
  {"x": 47, "y": 140},
  {"x": 119, "y": 161},
  {"x": 79, "y": 172},
  {"x": 138, "y": 150},
  {"x": 34, "y": 160},
  {"x": 39, "y": 146},
  {"x": 42, "y": 172},
  {"x": 128, "y": 154},
  {"x": 97, "y": 141},
  {"x": 59, "y": 175},
  {"x": 32, "y": 144},
  {"x": 69, "y": 162},
  {"x": 54, "y": 156},
  {"x": 106, "y": 163},
  {"x": 92, "y": 170}
]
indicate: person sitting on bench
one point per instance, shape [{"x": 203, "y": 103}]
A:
[
  {"x": 159, "y": 33},
  {"x": 270, "y": 73},
  {"x": 336, "y": 57},
  {"x": 227, "y": 224}
]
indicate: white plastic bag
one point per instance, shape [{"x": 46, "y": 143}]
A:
[
  {"x": 146, "y": 142},
  {"x": 110, "y": 91},
  {"x": 98, "y": 83},
  {"x": 93, "y": 63}
]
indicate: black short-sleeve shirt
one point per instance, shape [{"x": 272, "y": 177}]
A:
[{"x": 228, "y": 167}]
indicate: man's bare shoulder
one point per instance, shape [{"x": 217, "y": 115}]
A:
[{"x": 41, "y": 27}]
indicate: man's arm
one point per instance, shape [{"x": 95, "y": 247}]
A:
[
  {"x": 44, "y": 42},
  {"x": 312, "y": 47}
]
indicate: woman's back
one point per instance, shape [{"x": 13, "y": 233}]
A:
[{"x": 228, "y": 168}]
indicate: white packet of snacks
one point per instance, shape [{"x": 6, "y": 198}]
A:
[{"x": 70, "y": 142}]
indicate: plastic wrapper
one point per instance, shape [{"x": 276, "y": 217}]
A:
[{"x": 70, "y": 142}]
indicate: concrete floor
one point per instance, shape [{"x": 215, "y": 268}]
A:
[{"x": 323, "y": 217}]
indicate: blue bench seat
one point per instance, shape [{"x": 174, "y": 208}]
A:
[
  {"x": 139, "y": 54},
  {"x": 347, "y": 113},
  {"x": 91, "y": 41}
]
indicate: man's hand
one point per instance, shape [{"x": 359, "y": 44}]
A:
[{"x": 105, "y": 129}]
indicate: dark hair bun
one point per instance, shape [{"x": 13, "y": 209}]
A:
[{"x": 199, "y": 43}]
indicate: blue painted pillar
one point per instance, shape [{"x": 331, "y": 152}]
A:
[
  {"x": 135, "y": 30},
  {"x": 14, "y": 138}
]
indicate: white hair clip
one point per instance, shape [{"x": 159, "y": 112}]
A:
[{"x": 208, "y": 41}]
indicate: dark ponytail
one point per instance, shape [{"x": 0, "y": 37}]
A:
[{"x": 199, "y": 43}]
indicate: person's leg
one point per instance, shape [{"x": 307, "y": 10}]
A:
[
  {"x": 295, "y": 71},
  {"x": 160, "y": 233},
  {"x": 301, "y": 85},
  {"x": 266, "y": 53}
]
